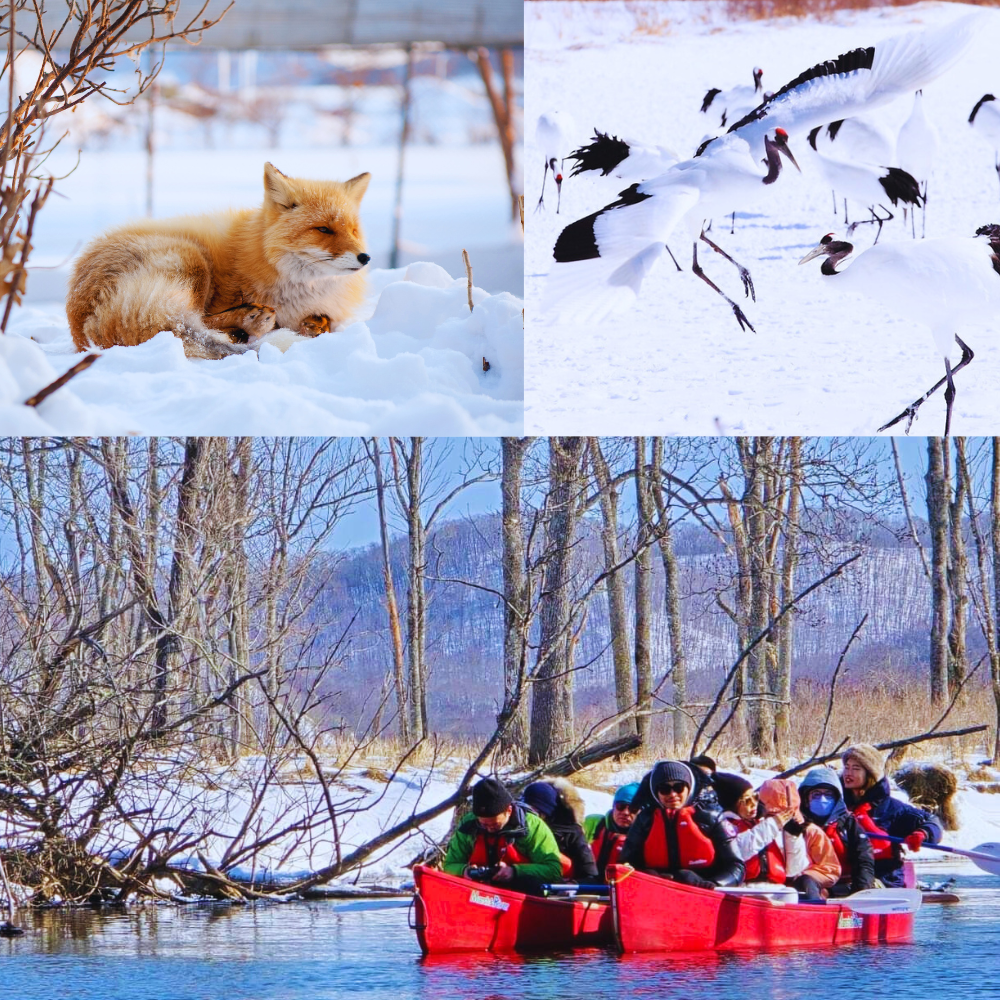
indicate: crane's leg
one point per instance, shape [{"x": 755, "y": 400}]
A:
[
  {"x": 673, "y": 258},
  {"x": 744, "y": 273},
  {"x": 845, "y": 211},
  {"x": 880, "y": 220},
  {"x": 923, "y": 213},
  {"x": 732, "y": 225},
  {"x": 545, "y": 174},
  {"x": 834, "y": 193},
  {"x": 949, "y": 397},
  {"x": 737, "y": 312},
  {"x": 997, "y": 165},
  {"x": 911, "y": 411}
]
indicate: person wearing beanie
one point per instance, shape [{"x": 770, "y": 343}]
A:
[
  {"x": 676, "y": 836},
  {"x": 767, "y": 839},
  {"x": 558, "y": 802},
  {"x": 606, "y": 831},
  {"x": 831, "y": 829},
  {"x": 503, "y": 842},
  {"x": 868, "y": 796}
]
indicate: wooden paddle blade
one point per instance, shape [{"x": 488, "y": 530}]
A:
[{"x": 883, "y": 901}]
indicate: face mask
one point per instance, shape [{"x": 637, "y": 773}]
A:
[{"x": 822, "y": 805}]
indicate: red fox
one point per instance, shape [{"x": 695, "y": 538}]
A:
[{"x": 222, "y": 282}]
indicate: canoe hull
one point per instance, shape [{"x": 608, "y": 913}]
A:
[
  {"x": 457, "y": 915},
  {"x": 653, "y": 914}
]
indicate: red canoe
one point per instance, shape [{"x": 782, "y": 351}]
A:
[
  {"x": 455, "y": 914},
  {"x": 653, "y": 914}
]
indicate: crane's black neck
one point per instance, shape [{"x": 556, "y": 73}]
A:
[
  {"x": 773, "y": 161},
  {"x": 836, "y": 252}
]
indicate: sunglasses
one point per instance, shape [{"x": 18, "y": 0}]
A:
[
  {"x": 623, "y": 806},
  {"x": 677, "y": 787}
]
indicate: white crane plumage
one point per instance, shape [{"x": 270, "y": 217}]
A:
[
  {"x": 946, "y": 284},
  {"x": 916, "y": 147},
  {"x": 601, "y": 260},
  {"x": 985, "y": 119},
  {"x": 734, "y": 103},
  {"x": 553, "y": 135}
]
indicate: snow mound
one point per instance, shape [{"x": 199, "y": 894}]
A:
[{"x": 413, "y": 365}]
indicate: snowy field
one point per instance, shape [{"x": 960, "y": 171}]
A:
[
  {"x": 677, "y": 362},
  {"x": 413, "y": 361}
]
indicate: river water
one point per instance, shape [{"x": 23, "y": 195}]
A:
[{"x": 318, "y": 950}]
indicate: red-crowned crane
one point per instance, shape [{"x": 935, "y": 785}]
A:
[
  {"x": 734, "y": 103},
  {"x": 916, "y": 147},
  {"x": 553, "y": 137},
  {"x": 945, "y": 283},
  {"x": 602, "y": 259},
  {"x": 985, "y": 119}
]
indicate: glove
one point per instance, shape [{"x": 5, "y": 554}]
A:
[
  {"x": 686, "y": 877},
  {"x": 914, "y": 840}
]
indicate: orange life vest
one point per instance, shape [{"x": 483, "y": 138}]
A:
[
  {"x": 882, "y": 849},
  {"x": 566, "y": 865},
  {"x": 767, "y": 865},
  {"x": 606, "y": 841},
  {"x": 492, "y": 848},
  {"x": 694, "y": 848},
  {"x": 838, "y": 845}
]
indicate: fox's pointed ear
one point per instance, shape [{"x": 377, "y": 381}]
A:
[
  {"x": 357, "y": 186},
  {"x": 277, "y": 188}
]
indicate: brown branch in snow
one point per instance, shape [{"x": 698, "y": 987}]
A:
[{"x": 43, "y": 394}]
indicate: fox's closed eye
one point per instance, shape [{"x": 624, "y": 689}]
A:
[{"x": 325, "y": 229}]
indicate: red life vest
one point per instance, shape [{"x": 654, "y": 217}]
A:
[
  {"x": 605, "y": 840},
  {"x": 767, "y": 865},
  {"x": 883, "y": 850},
  {"x": 695, "y": 849},
  {"x": 838, "y": 845},
  {"x": 492, "y": 848}
]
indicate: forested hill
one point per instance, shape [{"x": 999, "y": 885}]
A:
[{"x": 465, "y": 623}]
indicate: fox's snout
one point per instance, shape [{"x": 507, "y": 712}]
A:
[{"x": 363, "y": 259}]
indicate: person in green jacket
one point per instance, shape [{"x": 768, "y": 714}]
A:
[{"x": 503, "y": 843}]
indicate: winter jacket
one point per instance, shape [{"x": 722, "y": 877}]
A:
[
  {"x": 766, "y": 837},
  {"x": 824, "y": 867},
  {"x": 726, "y": 867},
  {"x": 606, "y": 840},
  {"x": 896, "y": 818},
  {"x": 565, "y": 822},
  {"x": 851, "y": 844},
  {"x": 525, "y": 831}
]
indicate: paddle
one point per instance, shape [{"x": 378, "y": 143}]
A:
[
  {"x": 882, "y": 901},
  {"x": 594, "y": 890},
  {"x": 986, "y": 856}
]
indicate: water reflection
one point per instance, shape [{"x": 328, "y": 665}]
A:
[{"x": 318, "y": 950}]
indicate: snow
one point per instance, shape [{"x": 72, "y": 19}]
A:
[{"x": 676, "y": 361}]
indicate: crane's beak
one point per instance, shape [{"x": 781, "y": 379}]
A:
[
  {"x": 783, "y": 148},
  {"x": 815, "y": 252}
]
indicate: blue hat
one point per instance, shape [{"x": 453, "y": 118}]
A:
[
  {"x": 627, "y": 793},
  {"x": 542, "y": 797}
]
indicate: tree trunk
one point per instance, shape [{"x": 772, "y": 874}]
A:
[
  {"x": 783, "y": 677},
  {"x": 937, "y": 516},
  {"x": 551, "y": 705},
  {"x": 237, "y": 487},
  {"x": 415, "y": 598},
  {"x": 614, "y": 584},
  {"x": 672, "y": 601},
  {"x": 392, "y": 609},
  {"x": 516, "y": 603},
  {"x": 643, "y": 593},
  {"x": 958, "y": 570}
]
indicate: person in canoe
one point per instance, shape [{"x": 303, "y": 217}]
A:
[
  {"x": 560, "y": 805},
  {"x": 768, "y": 839},
  {"x": 823, "y": 805},
  {"x": 606, "y": 831},
  {"x": 866, "y": 792},
  {"x": 503, "y": 843},
  {"x": 681, "y": 837}
]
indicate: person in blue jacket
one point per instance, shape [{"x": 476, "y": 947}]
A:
[{"x": 866, "y": 792}]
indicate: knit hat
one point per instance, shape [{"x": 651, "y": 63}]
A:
[
  {"x": 490, "y": 797},
  {"x": 868, "y": 757},
  {"x": 542, "y": 797},
  {"x": 779, "y": 794},
  {"x": 666, "y": 771},
  {"x": 730, "y": 789},
  {"x": 627, "y": 792}
]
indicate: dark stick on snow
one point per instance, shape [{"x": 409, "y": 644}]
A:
[{"x": 44, "y": 394}]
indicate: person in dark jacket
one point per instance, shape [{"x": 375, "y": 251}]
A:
[
  {"x": 866, "y": 791},
  {"x": 680, "y": 837},
  {"x": 560, "y": 805},
  {"x": 823, "y": 804}
]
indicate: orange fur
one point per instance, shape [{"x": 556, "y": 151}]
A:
[{"x": 221, "y": 282}]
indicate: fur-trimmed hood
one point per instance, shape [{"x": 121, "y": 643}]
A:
[{"x": 570, "y": 807}]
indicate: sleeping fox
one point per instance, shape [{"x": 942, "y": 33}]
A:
[{"x": 222, "y": 282}]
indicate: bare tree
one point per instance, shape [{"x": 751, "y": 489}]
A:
[
  {"x": 643, "y": 595},
  {"x": 938, "y": 508}
]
